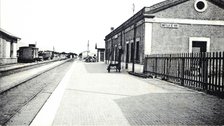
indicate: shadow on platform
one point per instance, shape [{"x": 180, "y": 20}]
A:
[{"x": 172, "y": 109}]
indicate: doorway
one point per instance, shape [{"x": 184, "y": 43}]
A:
[
  {"x": 199, "y": 46},
  {"x": 127, "y": 55}
]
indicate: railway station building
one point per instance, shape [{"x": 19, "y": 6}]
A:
[
  {"x": 100, "y": 55},
  {"x": 171, "y": 26},
  {"x": 8, "y": 45},
  {"x": 100, "y": 52}
]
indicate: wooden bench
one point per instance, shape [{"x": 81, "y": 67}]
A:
[{"x": 113, "y": 66}]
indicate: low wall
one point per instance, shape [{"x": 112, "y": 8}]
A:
[
  {"x": 138, "y": 67},
  {"x": 4, "y": 61}
]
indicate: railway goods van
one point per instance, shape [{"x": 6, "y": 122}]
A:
[{"x": 28, "y": 54}]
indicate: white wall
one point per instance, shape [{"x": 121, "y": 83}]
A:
[
  {"x": 84, "y": 54},
  {"x": 148, "y": 38},
  {"x": 5, "y": 57},
  {"x": 14, "y": 50},
  {"x": 1, "y": 48},
  {"x": 138, "y": 68},
  {"x": 7, "y": 49}
]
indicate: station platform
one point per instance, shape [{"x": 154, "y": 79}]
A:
[
  {"x": 88, "y": 95},
  {"x": 12, "y": 80},
  {"x": 9, "y": 67}
]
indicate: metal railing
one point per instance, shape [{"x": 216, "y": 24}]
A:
[{"x": 201, "y": 71}]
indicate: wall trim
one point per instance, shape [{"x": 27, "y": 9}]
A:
[{"x": 185, "y": 21}]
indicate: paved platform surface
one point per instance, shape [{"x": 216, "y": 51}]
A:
[{"x": 88, "y": 95}]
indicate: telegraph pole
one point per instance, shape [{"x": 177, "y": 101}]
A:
[
  {"x": 88, "y": 48},
  {"x": 133, "y": 8}
]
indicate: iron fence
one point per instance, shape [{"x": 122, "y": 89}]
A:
[{"x": 201, "y": 71}]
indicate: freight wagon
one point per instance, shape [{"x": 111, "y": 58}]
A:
[
  {"x": 28, "y": 54},
  {"x": 47, "y": 55}
]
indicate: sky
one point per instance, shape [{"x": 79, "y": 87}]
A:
[{"x": 66, "y": 25}]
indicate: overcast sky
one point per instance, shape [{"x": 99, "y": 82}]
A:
[{"x": 66, "y": 24}]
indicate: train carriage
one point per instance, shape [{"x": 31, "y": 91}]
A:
[{"x": 28, "y": 54}]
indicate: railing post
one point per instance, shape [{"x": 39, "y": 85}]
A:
[
  {"x": 205, "y": 71},
  {"x": 155, "y": 66},
  {"x": 182, "y": 70},
  {"x": 222, "y": 72},
  {"x": 167, "y": 68},
  {"x": 164, "y": 67}
]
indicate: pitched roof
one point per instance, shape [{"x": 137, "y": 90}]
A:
[
  {"x": 163, "y": 5},
  {"x": 149, "y": 11},
  {"x": 219, "y": 3},
  {"x": 132, "y": 20},
  {"x": 2, "y": 31},
  {"x": 169, "y": 3}
]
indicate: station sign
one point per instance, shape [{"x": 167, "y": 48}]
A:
[{"x": 170, "y": 25}]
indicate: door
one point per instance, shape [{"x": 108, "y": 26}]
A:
[
  {"x": 199, "y": 46},
  {"x": 101, "y": 56},
  {"x": 127, "y": 55}
]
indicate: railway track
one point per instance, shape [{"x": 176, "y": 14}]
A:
[
  {"x": 24, "y": 74},
  {"x": 14, "y": 68},
  {"x": 20, "y": 96}
]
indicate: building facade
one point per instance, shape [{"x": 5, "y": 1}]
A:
[
  {"x": 8, "y": 43},
  {"x": 100, "y": 55},
  {"x": 100, "y": 52},
  {"x": 172, "y": 26}
]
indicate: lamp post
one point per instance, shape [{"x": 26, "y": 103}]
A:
[
  {"x": 111, "y": 51},
  {"x": 88, "y": 49},
  {"x": 112, "y": 47}
]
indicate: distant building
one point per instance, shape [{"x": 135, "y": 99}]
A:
[
  {"x": 85, "y": 54},
  {"x": 171, "y": 26},
  {"x": 8, "y": 43},
  {"x": 100, "y": 55},
  {"x": 48, "y": 55},
  {"x": 72, "y": 55}
]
